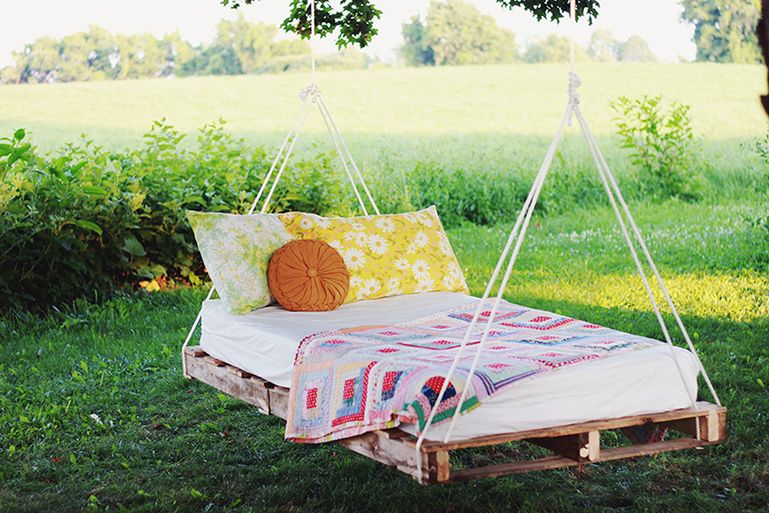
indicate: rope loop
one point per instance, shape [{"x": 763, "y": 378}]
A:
[
  {"x": 311, "y": 91},
  {"x": 574, "y": 83}
]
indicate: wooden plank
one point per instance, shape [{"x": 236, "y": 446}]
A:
[
  {"x": 712, "y": 427},
  {"x": 634, "y": 451},
  {"x": 240, "y": 372},
  {"x": 517, "y": 467},
  {"x": 576, "y": 443},
  {"x": 393, "y": 453},
  {"x": 703, "y": 410},
  {"x": 593, "y": 445},
  {"x": 279, "y": 402},
  {"x": 249, "y": 390},
  {"x": 441, "y": 462},
  {"x": 582, "y": 447}
]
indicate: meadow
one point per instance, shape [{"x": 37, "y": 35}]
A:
[{"x": 94, "y": 412}]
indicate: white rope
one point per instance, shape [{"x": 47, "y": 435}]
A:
[
  {"x": 312, "y": 38},
  {"x": 290, "y": 136},
  {"x": 573, "y": 44},
  {"x": 516, "y": 237},
  {"x": 291, "y": 133},
  {"x": 322, "y": 104},
  {"x": 602, "y": 173},
  {"x": 650, "y": 261},
  {"x": 333, "y": 134},
  {"x": 310, "y": 92},
  {"x": 310, "y": 95},
  {"x": 508, "y": 271}
]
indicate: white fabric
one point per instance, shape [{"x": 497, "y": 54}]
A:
[
  {"x": 264, "y": 343},
  {"x": 631, "y": 383}
]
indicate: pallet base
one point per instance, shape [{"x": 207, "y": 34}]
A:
[{"x": 572, "y": 445}]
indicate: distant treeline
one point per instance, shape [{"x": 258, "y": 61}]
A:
[
  {"x": 455, "y": 33},
  {"x": 240, "y": 47}
]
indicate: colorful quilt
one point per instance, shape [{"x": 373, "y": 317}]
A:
[{"x": 353, "y": 380}]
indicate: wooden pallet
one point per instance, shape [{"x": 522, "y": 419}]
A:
[{"x": 571, "y": 445}]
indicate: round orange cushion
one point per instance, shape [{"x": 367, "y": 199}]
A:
[{"x": 308, "y": 276}]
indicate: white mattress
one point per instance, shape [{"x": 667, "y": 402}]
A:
[{"x": 264, "y": 343}]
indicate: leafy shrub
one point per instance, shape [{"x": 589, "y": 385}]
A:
[
  {"x": 84, "y": 221},
  {"x": 761, "y": 148},
  {"x": 660, "y": 143},
  {"x": 463, "y": 196}
]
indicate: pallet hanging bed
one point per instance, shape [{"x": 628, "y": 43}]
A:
[{"x": 406, "y": 373}]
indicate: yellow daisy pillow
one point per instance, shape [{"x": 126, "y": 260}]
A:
[{"x": 386, "y": 255}]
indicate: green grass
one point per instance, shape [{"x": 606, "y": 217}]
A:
[
  {"x": 162, "y": 443},
  {"x": 94, "y": 413},
  {"x": 490, "y": 117}
]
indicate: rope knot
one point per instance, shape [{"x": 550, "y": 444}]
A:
[
  {"x": 311, "y": 90},
  {"x": 574, "y": 83}
]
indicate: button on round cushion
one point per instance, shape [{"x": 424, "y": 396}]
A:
[{"x": 308, "y": 276}]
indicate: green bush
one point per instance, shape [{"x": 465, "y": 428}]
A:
[
  {"x": 82, "y": 222},
  {"x": 660, "y": 144}
]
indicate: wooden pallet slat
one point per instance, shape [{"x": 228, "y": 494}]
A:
[{"x": 572, "y": 445}]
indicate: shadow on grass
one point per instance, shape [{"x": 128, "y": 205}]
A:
[{"x": 162, "y": 443}]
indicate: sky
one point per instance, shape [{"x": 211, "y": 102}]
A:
[{"x": 658, "y": 22}]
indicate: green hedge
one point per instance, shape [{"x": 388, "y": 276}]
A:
[{"x": 84, "y": 221}]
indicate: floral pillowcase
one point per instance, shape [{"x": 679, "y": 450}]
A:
[{"x": 386, "y": 255}]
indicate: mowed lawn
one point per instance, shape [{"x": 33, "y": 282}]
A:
[
  {"x": 473, "y": 117},
  {"x": 94, "y": 412}
]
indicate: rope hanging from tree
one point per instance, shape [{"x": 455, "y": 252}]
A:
[
  {"x": 311, "y": 96},
  {"x": 515, "y": 240}
]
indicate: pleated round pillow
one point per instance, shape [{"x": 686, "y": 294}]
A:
[{"x": 308, "y": 276}]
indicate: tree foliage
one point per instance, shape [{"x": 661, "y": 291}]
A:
[
  {"x": 353, "y": 21},
  {"x": 724, "y": 30},
  {"x": 240, "y": 46},
  {"x": 604, "y": 47},
  {"x": 554, "y": 48},
  {"x": 456, "y": 33}
]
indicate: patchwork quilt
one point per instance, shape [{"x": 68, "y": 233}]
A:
[{"x": 353, "y": 380}]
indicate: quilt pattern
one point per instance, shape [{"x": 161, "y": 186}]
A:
[{"x": 354, "y": 380}]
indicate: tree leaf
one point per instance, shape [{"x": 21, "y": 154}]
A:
[
  {"x": 132, "y": 246},
  {"x": 89, "y": 225},
  {"x": 19, "y": 134},
  {"x": 92, "y": 190},
  {"x": 5, "y": 149}
]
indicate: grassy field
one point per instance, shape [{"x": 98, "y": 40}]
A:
[
  {"x": 491, "y": 117},
  {"x": 94, "y": 413}
]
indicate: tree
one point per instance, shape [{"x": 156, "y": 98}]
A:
[
  {"x": 354, "y": 19},
  {"x": 636, "y": 49},
  {"x": 177, "y": 51},
  {"x": 416, "y": 49},
  {"x": 554, "y": 48},
  {"x": 603, "y": 46},
  {"x": 250, "y": 41},
  {"x": 724, "y": 29},
  {"x": 455, "y": 33},
  {"x": 213, "y": 60},
  {"x": 38, "y": 61}
]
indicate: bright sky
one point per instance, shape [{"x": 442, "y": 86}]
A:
[{"x": 658, "y": 21}]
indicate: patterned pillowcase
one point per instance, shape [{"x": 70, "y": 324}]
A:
[
  {"x": 386, "y": 255},
  {"x": 236, "y": 250}
]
